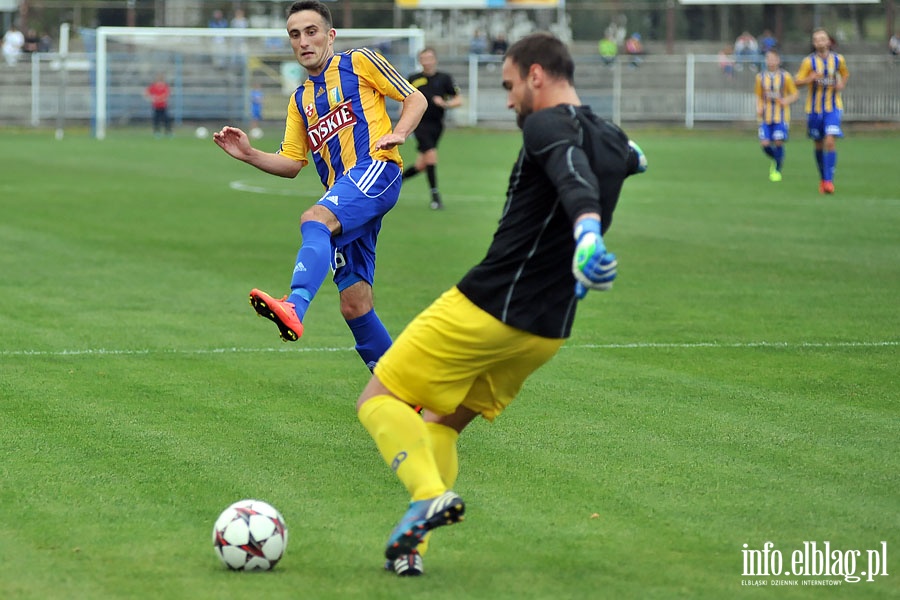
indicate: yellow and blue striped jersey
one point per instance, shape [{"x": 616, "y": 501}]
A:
[
  {"x": 771, "y": 86},
  {"x": 822, "y": 96},
  {"x": 339, "y": 114}
]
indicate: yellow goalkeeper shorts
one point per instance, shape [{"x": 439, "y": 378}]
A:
[{"x": 454, "y": 353}]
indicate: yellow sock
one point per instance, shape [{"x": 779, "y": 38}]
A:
[
  {"x": 403, "y": 442},
  {"x": 443, "y": 443}
]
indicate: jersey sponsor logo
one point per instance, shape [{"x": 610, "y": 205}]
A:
[
  {"x": 320, "y": 91},
  {"x": 332, "y": 199},
  {"x": 338, "y": 118}
]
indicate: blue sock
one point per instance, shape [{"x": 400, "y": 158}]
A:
[
  {"x": 372, "y": 339},
  {"x": 830, "y": 163},
  {"x": 769, "y": 151},
  {"x": 820, "y": 163},
  {"x": 779, "y": 157},
  {"x": 313, "y": 262}
]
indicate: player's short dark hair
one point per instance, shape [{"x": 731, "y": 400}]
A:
[
  {"x": 546, "y": 50},
  {"x": 313, "y": 5}
]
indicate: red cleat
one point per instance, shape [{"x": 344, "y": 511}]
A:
[
  {"x": 281, "y": 312},
  {"x": 827, "y": 187},
  {"x": 822, "y": 187}
]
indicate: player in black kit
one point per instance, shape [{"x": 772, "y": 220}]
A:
[
  {"x": 469, "y": 353},
  {"x": 442, "y": 94}
]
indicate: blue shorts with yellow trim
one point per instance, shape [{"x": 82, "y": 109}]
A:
[
  {"x": 359, "y": 200},
  {"x": 454, "y": 353}
]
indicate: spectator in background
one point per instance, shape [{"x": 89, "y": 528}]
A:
[
  {"x": 158, "y": 94},
  {"x": 239, "y": 20},
  {"x": 608, "y": 49},
  {"x": 45, "y": 44},
  {"x": 499, "y": 44},
  {"x": 31, "y": 42},
  {"x": 635, "y": 49},
  {"x": 239, "y": 45},
  {"x": 746, "y": 50},
  {"x": 13, "y": 40},
  {"x": 767, "y": 42},
  {"x": 479, "y": 43},
  {"x": 726, "y": 62},
  {"x": 894, "y": 44},
  {"x": 218, "y": 21}
]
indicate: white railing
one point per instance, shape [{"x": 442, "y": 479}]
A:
[
  {"x": 687, "y": 90},
  {"x": 683, "y": 89}
]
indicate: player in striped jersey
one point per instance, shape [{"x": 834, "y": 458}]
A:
[
  {"x": 339, "y": 116},
  {"x": 775, "y": 91},
  {"x": 825, "y": 74}
]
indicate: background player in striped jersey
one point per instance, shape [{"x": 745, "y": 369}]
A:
[
  {"x": 339, "y": 116},
  {"x": 468, "y": 354},
  {"x": 775, "y": 91},
  {"x": 825, "y": 74}
]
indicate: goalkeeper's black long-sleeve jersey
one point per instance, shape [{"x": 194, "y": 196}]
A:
[{"x": 571, "y": 163}]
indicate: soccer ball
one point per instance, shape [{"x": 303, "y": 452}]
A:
[
  {"x": 201, "y": 133},
  {"x": 256, "y": 133},
  {"x": 250, "y": 535}
]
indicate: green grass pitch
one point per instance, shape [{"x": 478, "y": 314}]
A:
[{"x": 739, "y": 384}]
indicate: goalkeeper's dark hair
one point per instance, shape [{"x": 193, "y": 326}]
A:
[
  {"x": 313, "y": 5},
  {"x": 546, "y": 50}
]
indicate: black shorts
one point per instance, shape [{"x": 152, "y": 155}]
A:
[{"x": 427, "y": 134}]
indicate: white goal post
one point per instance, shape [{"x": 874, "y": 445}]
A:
[{"x": 216, "y": 61}]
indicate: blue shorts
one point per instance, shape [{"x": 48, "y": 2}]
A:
[
  {"x": 773, "y": 132},
  {"x": 359, "y": 200},
  {"x": 256, "y": 112},
  {"x": 818, "y": 125}
]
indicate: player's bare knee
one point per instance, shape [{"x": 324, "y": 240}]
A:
[
  {"x": 356, "y": 300},
  {"x": 320, "y": 214}
]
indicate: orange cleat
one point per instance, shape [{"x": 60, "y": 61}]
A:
[
  {"x": 281, "y": 312},
  {"x": 827, "y": 187},
  {"x": 822, "y": 187}
]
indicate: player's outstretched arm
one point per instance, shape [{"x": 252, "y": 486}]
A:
[
  {"x": 593, "y": 266},
  {"x": 410, "y": 114},
  {"x": 236, "y": 144}
]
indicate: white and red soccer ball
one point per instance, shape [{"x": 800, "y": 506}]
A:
[{"x": 250, "y": 535}]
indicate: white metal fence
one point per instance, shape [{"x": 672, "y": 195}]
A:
[
  {"x": 681, "y": 89},
  {"x": 687, "y": 90}
]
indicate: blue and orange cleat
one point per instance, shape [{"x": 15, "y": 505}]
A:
[
  {"x": 422, "y": 517},
  {"x": 281, "y": 312}
]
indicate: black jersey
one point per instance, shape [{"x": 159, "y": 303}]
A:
[
  {"x": 439, "y": 84},
  {"x": 571, "y": 163}
]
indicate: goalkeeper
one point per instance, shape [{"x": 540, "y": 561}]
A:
[{"x": 468, "y": 354}]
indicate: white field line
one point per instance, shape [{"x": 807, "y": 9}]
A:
[{"x": 631, "y": 346}]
